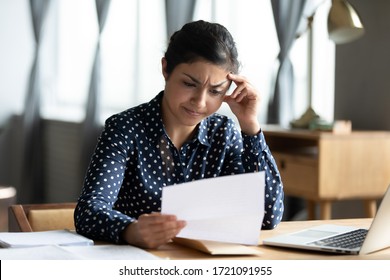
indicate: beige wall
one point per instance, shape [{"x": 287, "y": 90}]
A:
[{"x": 362, "y": 82}]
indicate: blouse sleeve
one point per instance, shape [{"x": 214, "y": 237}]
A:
[
  {"x": 252, "y": 154},
  {"x": 94, "y": 213}
]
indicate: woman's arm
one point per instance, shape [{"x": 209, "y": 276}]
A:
[
  {"x": 255, "y": 154},
  {"x": 251, "y": 154},
  {"x": 94, "y": 213}
]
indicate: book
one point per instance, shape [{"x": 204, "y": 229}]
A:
[{"x": 43, "y": 238}]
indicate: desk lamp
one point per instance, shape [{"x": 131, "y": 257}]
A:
[{"x": 344, "y": 26}]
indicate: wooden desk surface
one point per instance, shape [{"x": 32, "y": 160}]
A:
[{"x": 178, "y": 252}]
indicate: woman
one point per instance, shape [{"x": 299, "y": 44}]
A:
[{"x": 175, "y": 138}]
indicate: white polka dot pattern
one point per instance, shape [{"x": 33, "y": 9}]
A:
[{"x": 134, "y": 159}]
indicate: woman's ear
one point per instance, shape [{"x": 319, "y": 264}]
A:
[{"x": 164, "y": 68}]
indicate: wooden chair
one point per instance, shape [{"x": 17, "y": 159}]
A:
[{"x": 41, "y": 217}]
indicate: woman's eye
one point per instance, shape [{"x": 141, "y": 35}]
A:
[
  {"x": 187, "y": 84},
  {"x": 216, "y": 92}
]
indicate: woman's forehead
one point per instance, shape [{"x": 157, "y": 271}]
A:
[{"x": 200, "y": 70}]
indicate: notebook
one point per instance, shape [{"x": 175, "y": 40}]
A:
[{"x": 329, "y": 237}]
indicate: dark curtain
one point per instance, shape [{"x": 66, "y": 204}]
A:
[
  {"x": 32, "y": 184},
  {"x": 287, "y": 16},
  {"x": 91, "y": 126},
  {"x": 178, "y": 13}
]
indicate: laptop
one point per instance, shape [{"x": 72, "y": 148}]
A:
[{"x": 342, "y": 239}]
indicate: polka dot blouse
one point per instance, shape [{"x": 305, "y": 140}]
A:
[{"x": 134, "y": 159}]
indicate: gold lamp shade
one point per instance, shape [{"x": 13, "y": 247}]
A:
[{"x": 344, "y": 24}]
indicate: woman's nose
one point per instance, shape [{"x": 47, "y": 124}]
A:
[{"x": 199, "y": 99}]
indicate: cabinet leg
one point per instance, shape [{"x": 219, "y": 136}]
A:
[
  {"x": 370, "y": 207},
  {"x": 326, "y": 210}
]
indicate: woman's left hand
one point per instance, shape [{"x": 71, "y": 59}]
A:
[{"x": 244, "y": 102}]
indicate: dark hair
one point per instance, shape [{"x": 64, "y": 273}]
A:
[{"x": 202, "y": 40}]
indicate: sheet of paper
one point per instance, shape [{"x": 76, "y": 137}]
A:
[
  {"x": 110, "y": 252},
  {"x": 50, "y": 252},
  {"x": 40, "y": 238},
  {"x": 225, "y": 209},
  {"x": 98, "y": 252}
]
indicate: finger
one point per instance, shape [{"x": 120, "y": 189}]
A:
[
  {"x": 241, "y": 82},
  {"x": 159, "y": 223},
  {"x": 238, "y": 81},
  {"x": 163, "y": 233},
  {"x": 161, "y": 220},
  {"x": 152, "y": 237},
  {"x": 241, "y": 94},
  {"x": 238, "y": 90},
  {"x": 156, "y": 218},
  {"x": 236, "y": 78}
]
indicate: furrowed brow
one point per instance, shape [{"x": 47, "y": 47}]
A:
[{"x": 198, "y": 82}]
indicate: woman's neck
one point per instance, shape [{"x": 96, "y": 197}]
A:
[{"x": 179, "y": 135}]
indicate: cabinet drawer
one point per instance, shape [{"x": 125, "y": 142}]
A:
[{"x": 299, "y": 174}]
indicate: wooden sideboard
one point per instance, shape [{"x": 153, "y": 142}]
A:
[{"x": 322, "y": 167}]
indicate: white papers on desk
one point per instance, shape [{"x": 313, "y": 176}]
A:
[
  {"x": 98, "y": 252},
  {"x": 110, "y": 252},
  {"x": 43, "y": 238},
  {"x": 63, "y": 245},
  {"x": 224, "y": 209}
]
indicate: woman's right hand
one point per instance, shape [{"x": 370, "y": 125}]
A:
[{"x": 152, "y": 230}]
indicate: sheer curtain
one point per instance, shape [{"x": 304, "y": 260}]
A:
[
  {"x": 91, "y": 124},
  {"x": 32, "y": 188},
  {"x": 288, "y": 16},
  {"x": 130, "y": 50}
]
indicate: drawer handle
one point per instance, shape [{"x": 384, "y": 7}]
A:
[{"x": 282, "y": 164}]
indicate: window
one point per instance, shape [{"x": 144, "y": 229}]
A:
[
  {"x": 134, "y": 40},
  {"x": 252, "y": 27},
  {"x": 131, "y": 46}
]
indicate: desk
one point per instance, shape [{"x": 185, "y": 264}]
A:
[
  {"x": 178, "y": 252},
  {"x": 322, "y": 167},
  {"x": 91, "y": 270}
]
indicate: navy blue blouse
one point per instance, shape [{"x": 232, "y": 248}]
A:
[{"x": 134, "y": 159}]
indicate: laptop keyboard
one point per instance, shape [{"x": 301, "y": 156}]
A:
[{"x": 347, "y": 240}]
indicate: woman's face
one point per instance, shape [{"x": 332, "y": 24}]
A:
[{"x": 193, "y": 91}]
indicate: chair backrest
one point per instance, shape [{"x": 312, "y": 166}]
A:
[{"x": 41, "y": 217}]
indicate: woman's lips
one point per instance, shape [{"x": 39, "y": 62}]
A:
[{"x": 193, "y": 113}]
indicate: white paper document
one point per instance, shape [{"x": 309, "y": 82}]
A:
[
  {"x": 42, "y": 238},
  {"x": 98, "y": 252},
  {"x": 225, "y": 209}
]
